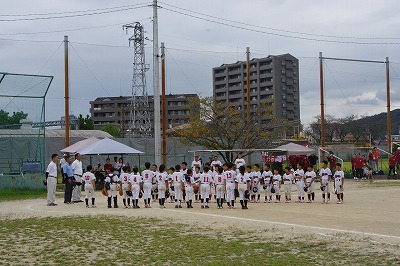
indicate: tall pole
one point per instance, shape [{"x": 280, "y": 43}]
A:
[
  {"x": 164, "y": 107},
  {"x": 66, "y": 88},
  {"x": 156, "y": 88},
  {"x": 321, "y": 87},
  {"x": 248, "y": 84},
  {"x": 389, "y": 124}
]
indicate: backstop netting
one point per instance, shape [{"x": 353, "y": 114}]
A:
[{"x": 22, "y": 122}]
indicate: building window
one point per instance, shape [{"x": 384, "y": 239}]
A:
[
  {"x": 283, "y": 71},
  {"x": 283, "y": 80},
  {"x": 295, "y": 89},
  {"x": 284, "y": 105},
  {"x": 283, "y": 88},
  {"x": 283, "y": 63}
]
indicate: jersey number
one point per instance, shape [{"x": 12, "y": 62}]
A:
[
  {"x": 219, "y": 179},
  {"x": 125, "y": 178},
  {"x": 206, "y": 179}
]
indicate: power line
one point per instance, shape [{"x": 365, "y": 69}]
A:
[
  {"x": 281, "y": 30},
  {"x": 73, "y": 15},
  {"x": 277, "y": 34}
]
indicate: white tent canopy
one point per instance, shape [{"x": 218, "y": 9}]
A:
[
  {"x": 295, "y": 149},
  {"x": 74, "y": 148},
  {"x": 103, "y": 146}
]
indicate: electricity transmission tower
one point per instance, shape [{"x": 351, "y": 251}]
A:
[{"x": 139, "y": 119}]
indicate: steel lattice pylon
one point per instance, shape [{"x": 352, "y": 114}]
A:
[{"x": 139, "y": 120}]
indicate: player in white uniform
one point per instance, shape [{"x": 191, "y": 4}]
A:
[
  {"x": 183, "y": 172},
  {"x": 309, "y": 179},
  {"x": 51, "y": 180},
  {"x": 339, "y": 182},
  {"x": 171, "y": 172},
  {"x": 205, "y": 181},
  {"x": 196, "y": 162},
  {"x": 243, "y": 181},
  {"x": 229, "y": 179},
  {"x": 135, "y": 180},
  {"x": 239, "y": 161},
  {"x": 267, "y": 177},
  {"x": 188, "y": 182},
  {"x": 147, "y": 179},
  {"x": 215, "y": 163},
  {"x": 256, "y": 183},
  {"x": 154, "y": 189},
  {"x": 162, "y": 184},
  {"x": 325, "y": 177},
  {"x": 287, "y": 183},
  {"x": 219, "y": 186},
  {"x": 89, "y": 180},
  {"x": 299, "y": 179},
  {"x": 78, "y": 171},
  {"x": 277, "y": 183},
  {"x": 112, "y": 185},
  {"x": 196, "y": 185},
  {"x": 124, "y": 177},
  {"x": 177, "y": 179}
]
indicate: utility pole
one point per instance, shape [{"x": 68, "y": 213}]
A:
[
  {"x": 389, "y": 124},
  {"x": 66, "y": 88},
  {"x": 164, "y": 107},
  {"x": 248, "y": 85},
  {"x": 156, "y": 89},
  {"x": 321, "y": 87}
]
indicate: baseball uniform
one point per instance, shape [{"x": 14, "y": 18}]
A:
[
  {"x": 89, "y": 179},
  {"x": 51, "y": 183}
]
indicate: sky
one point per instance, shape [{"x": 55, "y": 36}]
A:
[{"x": 200, "y": 35}]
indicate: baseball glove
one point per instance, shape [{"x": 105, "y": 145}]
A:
[
  {"x": 140, "y": 194},
  {"x": 156, "y": 190},
  {"x": 305, "y": 189},
  {"x": 45, "y": 182},
  {"x": 236, "y": 193},
  {"x": 255, "y": 189},
  {"x": 322, "y": 188},
  {"x": 129, "y": 193},
  {"x": 265, "y": 186},
  {"x": 187, "y": 178},
  {"x": 172, "y": 188},
  {"x": 272, "y": 190},
  {"x": 247, "y": 194},
  {"x": 167, "y": 194},
  {"x": 104, "y": 192}
]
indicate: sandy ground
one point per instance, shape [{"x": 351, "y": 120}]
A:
[{"x": 368, "y": 214}]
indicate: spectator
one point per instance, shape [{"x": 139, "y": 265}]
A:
[
  {"x": 392, "y": 166},
  {"x": 107, "y": 165},
  {"x": 359, "y": 164},
  {"x": 353, "y": 165},
  {"x": 397, "y": 154},
  {"x": 313, "y": 160},
  {"x": 371, "y": 160},
  {"x": 377, "y": 157},
  {"x": 332, "y": 161}
]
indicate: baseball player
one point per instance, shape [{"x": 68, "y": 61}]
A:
[
  {"x": 287, "y": 184},
  {"x": 267, "y": 177},
  {"x": 111, "y": 184},
  {"x": 205, "y": 181},
  {"x": 277, "y": 183},
  {"x": 309, "y": 183},
  {"x": 243, "y": 181},
  {"x": 184, "y": 168},
  {"x": 147, "y": 179},
  {"x": 229, "y": 179},
  {"x": 188, "y": 182},
  {"x": 299, "y": 179},
  {"x": 124, "y": 177},
  {"x": 51, "y": 180},
  {"x": 239, "y": 161},
  {"x": 196, "y": 162},
  {"x": 339, "y": 183},
  {"x": 215, "y": 163},
  {"x": 256, "y": 183},
  {"x": 154, "y": 190},
  {"x": 89, "y": 179},
  {"x": 177, "y": 179},
  {"x": 219, "y": 186},
  {"x": 162, "y": 183},
  {"x": 78, "y": 171},
  {"x": 135, "y": 180},
  {"x": 196, "y": 186},
  {"x": 325, "y": 177},
  {"x": 171, "y": 172}
]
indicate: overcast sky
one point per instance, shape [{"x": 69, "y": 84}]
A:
[{"x": 101, "y": 60}]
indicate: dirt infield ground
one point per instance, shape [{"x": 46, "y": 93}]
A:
[{"x": 370, "y": 214}]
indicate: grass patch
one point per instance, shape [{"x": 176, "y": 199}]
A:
[
  {"x": 21, "y": 194},
  {"x": 380, "y": 183},
  {"x": 105, "y": 240}
]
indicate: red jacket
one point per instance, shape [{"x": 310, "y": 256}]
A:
[
  {"x": 392, "y": 161},
  {"x": 359, "y": 163}
]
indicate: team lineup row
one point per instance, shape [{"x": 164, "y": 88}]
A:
[{"x": 226, "y": 184}]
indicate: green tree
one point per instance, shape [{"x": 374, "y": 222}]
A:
[
  {"x": 85, "y": 123},
  {"x": 113, "y": 130},
  {"x": 15, "y": 118},
  {"x": 222, "y": 126}
]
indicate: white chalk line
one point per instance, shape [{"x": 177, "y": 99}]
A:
[{"x": 290, "y": 224}]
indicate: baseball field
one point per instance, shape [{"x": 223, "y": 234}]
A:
[{"x": 365, "y": 230}]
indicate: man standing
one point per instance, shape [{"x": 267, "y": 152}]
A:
[
  {"x": 62, "y": 162},
  {"x": 68, "y": 179},
  {"x": 196, "y": 162},
  {"x": 377, "y": 157},
  {"x": 51, "y": 176},
  {"x": 78, "y": 171}
]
